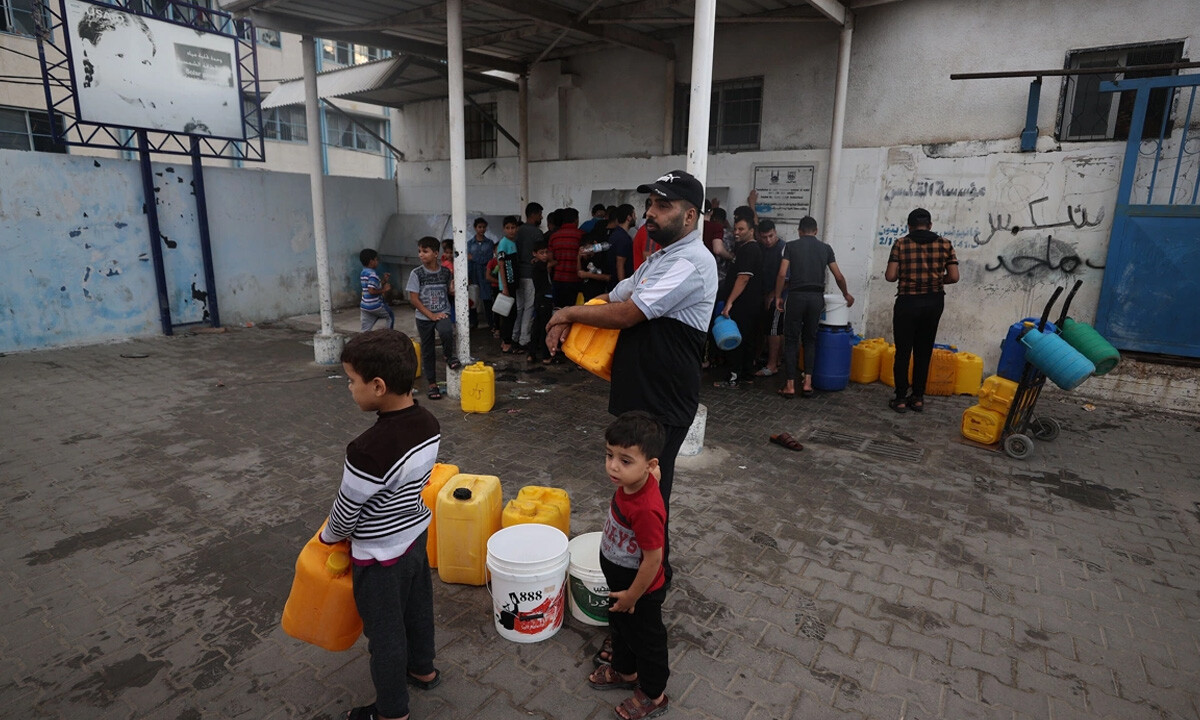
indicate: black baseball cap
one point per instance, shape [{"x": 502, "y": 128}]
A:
[
  {"x": 677, "y": 185},
  {"x": 920, "y": 216}
]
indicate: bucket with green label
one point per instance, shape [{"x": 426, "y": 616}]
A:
[{"x": 588, "y": 590}]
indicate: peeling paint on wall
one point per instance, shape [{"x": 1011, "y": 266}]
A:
[{"x": 77, "y": 264}]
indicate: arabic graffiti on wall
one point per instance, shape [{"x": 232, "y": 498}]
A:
[
  {"x": 1077, "y": 217},
  {"x": 1048, "y": 257}
]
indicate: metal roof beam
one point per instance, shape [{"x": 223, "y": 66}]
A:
[
  {"x": 552, "y": 14},
  {"x": 504, "y": 36},
  {"x": 422, "y": 15},
  {"x": 633, "y": 12},
  {"x": 292, "y": 24},
  {"x": 831, "y": 9},
  {"x": 745, "y": 20}
]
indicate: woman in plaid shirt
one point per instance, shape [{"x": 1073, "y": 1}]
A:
[{"x": 921, "y": 263}]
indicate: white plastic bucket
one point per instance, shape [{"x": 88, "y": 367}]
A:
[
  {"x": 836, "y": 313},
  {"x": 528, "y": 563},
  {"x": 588, "y": 588}
]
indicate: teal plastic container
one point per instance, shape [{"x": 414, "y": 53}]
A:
[{"x": 1058, "y": 360}]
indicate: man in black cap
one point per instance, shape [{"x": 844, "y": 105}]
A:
[
  {"x": 662, "y": 311},
  {"x": 921, "y": 264}
]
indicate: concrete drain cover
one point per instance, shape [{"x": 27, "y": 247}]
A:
[{"x": 871, "y": 446}]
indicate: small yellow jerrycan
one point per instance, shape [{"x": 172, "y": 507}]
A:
[
  {"x": 478, "y": 388},
  {"x": 320, "y": 609},
  {"x": 537, "y": 504},
  {"x": 437, "y": 478},
  {"x": 592, "y": 348},
  {"x": 969, "y": 376}
]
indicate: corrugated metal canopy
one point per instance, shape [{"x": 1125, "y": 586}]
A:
[
  {"x": 510, "y": 35},
  {"x": 392, "y": 82}
]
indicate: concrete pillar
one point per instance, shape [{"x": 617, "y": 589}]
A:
[
  {"x": 327, "y": 345},
  {"x": 523, "y": 139},
  {"x": 693, "y": 443},
  {"x": 839, "y": 126},
  {"x": 703, "y": 36},
  {"x": 458, "y": 189},
  {"x": 669, "y": 115}
]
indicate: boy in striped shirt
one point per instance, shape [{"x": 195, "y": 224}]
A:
[
  {"x": 372, "y": 306},
  {"x": 379, "y": 509}
]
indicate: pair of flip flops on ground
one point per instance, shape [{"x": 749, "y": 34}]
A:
[
  {"x": 911, "y": 402},
  {"x": 790, "y": 395},
  {"x": 637, "y": 707},
  {"x": 787, "y": 441},
  {"x": 370, "y": 712}
]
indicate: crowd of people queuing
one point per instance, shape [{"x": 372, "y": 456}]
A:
[{"x": 570, "y": 262}]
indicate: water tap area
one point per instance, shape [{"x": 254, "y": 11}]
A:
[{"x": 157, "y": 493}]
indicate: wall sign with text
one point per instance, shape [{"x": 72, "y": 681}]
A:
[{"x": 785, "y": 192}]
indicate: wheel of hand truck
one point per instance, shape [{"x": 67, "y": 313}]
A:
[
  {"x": 1045, "y": 428},
  {"x": 1018, "y": 446}
]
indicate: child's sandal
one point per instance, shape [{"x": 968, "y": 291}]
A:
[
  {"x": 605, "y": 677},
  {"x": 640, "y": 706},
  {"x": 435, "y": 392}
]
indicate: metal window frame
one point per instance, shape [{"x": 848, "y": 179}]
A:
[
  {"x": 716, "y": 116},
  {"x": 720, "y": 107},
  {"x": 1120, "y": 55},
  {"x": 27, "y": 115},
  {"x": 58, "y": 80},
  {"x": 354, "y": 123},
  {"x": 6, "y": 8},
  {"x": 484, "y": 125}
]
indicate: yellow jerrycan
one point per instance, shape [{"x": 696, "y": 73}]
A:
[
  {"x": 320, "y": 608},
  {"x": 537, "y": 504},
  {"x": 864, "y": 360},
  {"x": 969, "y": 375},
  {"x": 591, "y": 348},
  {"x": 943, "y": 371},
  {"x": 417, "y": 347},
  {"x": 438, "y": 477},
  {"x": 468, "y": 512},
  {"x": 478, "y": 388},
  {"x": 997, "y": 394},
  {"x": 982, "y": 425}
]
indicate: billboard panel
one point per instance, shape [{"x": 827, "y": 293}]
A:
[{"x": 136, "y": 71}]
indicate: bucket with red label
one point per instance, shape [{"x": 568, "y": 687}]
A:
[{"x": 528, "y": 564}]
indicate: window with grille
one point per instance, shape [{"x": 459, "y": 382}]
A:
[
  {"x": 480, "y": 132},
  {"x": 285, "y": 124},
  {"x": 344, "y": 53},
  {"x": 735, "y": 115},
  {"x": 19, "y": 17},
  {"x": 1089, "y": 114},
  {"x": 268, "y": 38},
  {"x": 340, "y": 132},
  {"x": 28, "y": 130}
]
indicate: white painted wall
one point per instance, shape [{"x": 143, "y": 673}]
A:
[{"x": 77, "y": 264}]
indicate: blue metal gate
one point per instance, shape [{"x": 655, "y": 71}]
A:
[{"x": 1150, "y": 296}]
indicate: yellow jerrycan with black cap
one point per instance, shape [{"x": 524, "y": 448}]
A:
[{"x": 468, "y": 512}]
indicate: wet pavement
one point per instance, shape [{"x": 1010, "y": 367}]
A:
[{"x": 156, "y": 493}]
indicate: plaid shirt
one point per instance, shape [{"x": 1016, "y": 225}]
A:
[
  {"x": 922, "y": 265},
  {"x": 564, "y": 246}
]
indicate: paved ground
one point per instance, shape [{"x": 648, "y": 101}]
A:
[{"x": 156, "y": 492}]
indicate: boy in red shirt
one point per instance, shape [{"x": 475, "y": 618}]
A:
[{"x": 631, "y": 554}]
